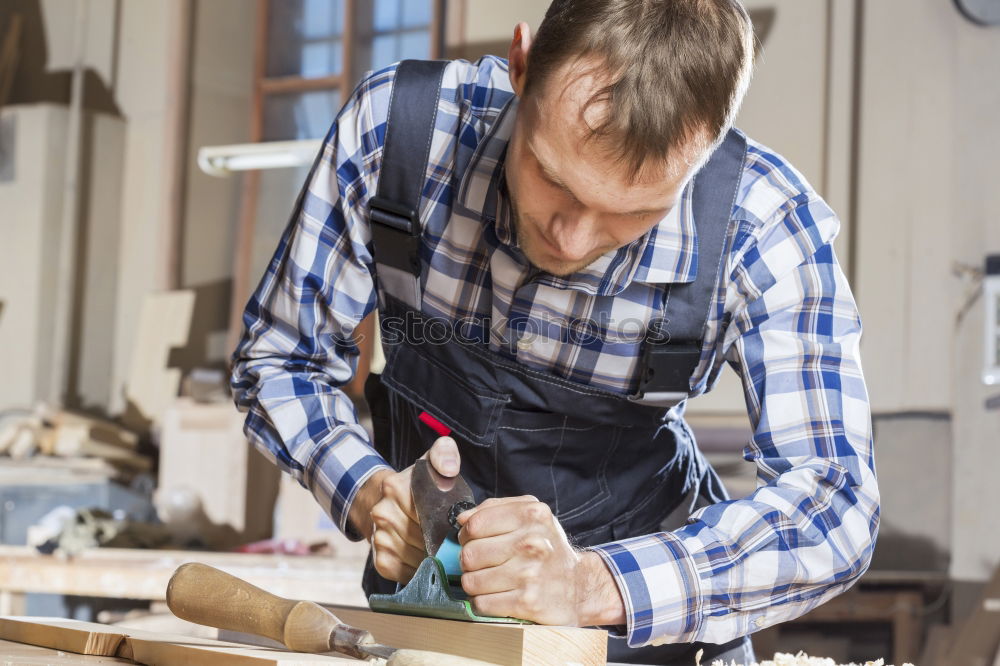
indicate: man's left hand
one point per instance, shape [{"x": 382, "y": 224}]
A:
[{"x": 519, "y": 563}]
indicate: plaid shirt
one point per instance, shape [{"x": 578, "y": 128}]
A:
[{"x": 784, "y": 319}]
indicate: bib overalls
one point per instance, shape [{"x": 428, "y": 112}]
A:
[{"x": 610, "y": 466}]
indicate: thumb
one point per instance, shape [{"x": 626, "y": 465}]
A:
[{"x": 444, "y": 456}]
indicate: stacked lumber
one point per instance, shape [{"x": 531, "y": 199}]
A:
[{"x": 65, "y": 434}]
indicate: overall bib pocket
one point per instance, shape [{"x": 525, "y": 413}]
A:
[
  {"x": 471, "y": 411},
  {"x": 561, "y": 460}
]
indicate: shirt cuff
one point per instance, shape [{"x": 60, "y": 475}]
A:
[
  {"x": 660, "y": 587},
  {"x": 343, "y": 469}
]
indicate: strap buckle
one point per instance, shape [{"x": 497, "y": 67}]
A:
[
  {"x": 665, "y": 371},
  {"x": 395, "y": 234}
]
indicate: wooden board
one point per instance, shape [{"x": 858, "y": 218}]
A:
[
  {"x": 150, "y": 648},
  {"x": 66, "y": 635},
  {"x": 507, "y": 644},
  {"x": 238, "y": 506},
  {"x": 22, "y": 654},
  {"x": 152, "y": 385}
]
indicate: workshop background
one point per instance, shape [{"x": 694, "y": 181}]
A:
[{"x": 138, "y": 210}]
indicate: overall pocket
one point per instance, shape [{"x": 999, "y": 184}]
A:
[
  {"x": 471, "y": 410},
  {"x": 561, "y": 460}
]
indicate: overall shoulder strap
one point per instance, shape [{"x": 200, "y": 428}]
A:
[
  {"x": 395, "y": 209},
  {"x": 671, "y": 354}
]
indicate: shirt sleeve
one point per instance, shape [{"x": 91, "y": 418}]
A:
[
  {"x": 297, "y": 348},
  {"x": 808, "y": 531}
]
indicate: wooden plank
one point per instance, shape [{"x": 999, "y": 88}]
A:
[
  {"x": 153, "y": 649},
  {"x": 67, "y": 635},
  {"x": 292, "y": 84},
  {"x": 510, "y": 645},
  {"x": 23, "y": 654},
  {"x": 152, "y": 385},
  {"x": 238, "y": 506}
]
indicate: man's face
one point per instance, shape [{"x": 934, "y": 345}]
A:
[{"x": 572, "y": 200}]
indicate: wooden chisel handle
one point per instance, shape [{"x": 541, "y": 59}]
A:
[{"x": 204, "y": 595}]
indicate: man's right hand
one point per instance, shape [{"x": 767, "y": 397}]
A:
[{"x": 383, "y": 511}]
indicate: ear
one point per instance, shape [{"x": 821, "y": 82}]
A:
[{"x": 517, "y": 57}]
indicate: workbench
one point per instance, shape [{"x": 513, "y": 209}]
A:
[
  {"x": 502, "y": 644},
  {"x": 143, "y": 574}
]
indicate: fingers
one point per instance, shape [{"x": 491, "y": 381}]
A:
[
  {"x": 398, "y": 543},
  {"x": 393, "y": 557},
  {"x": 392, "y": 564},
  {"x": 486, "y": 553},
  {"x": 503, "y": 578},
  {"x": 520, "y": 549},
  {"x": 389, "y": 518},
  {"x": 396, "y": 488},
  {"x": 498, "y": 516},
  {"x": 444, "y": 457},
  {"x": 511, "y": 603}
]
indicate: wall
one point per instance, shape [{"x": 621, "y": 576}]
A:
[
  {"x": 123, "y": 227},
  {"x": 142, "y": 93},
  {"x": 928, "y": 201},
  {"x": 31, "y": 205},
  {"x": 221, "y": 89}
]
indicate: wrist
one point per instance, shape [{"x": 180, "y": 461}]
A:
[
  {"x": 370, "y": 493},
  {"x": 599, "y": 602}
]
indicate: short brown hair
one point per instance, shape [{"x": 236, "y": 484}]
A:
[{"x": 677, "y": 67}]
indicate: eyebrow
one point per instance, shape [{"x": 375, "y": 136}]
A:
[{"x": 552, "y": 177}]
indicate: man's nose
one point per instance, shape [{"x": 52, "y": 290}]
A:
[{"x": 574, "y": 236}]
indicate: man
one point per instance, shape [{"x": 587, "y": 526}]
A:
[{"x": 593, "y": 232}]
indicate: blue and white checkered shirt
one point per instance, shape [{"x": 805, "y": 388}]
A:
[{"x": 784, "y": 319}]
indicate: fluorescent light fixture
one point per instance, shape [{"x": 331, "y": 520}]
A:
[{"x": 223, "y": 160}]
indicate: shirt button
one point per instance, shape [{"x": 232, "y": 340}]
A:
[
  {"x": 760, "y": 622},
  {"x": 524, "y": 343}
]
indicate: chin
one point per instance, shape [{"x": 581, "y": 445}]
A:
[
  {"x": 543, "y": 261},
  {"x": 553, "y": 266}
]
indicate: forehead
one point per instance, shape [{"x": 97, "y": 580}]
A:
[{"x": 558, "y": 120}]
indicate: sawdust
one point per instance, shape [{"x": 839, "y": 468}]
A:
[{"x": 800, "y": 659}]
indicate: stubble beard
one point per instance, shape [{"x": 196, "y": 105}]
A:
[{"x": 526, "y": 229}]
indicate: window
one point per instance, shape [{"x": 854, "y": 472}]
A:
[
  {"x": 310, "y": 55},
  {"x": 314, "y": 51}
]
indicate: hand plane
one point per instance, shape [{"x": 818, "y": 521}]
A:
[{"x": 436, "y": 588}]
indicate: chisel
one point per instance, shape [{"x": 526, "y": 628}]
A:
[{"x": 204, "y": 595}]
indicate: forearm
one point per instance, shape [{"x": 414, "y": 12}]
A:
[
  {"x": 313, "y": 438},
  {"x": 741, "y": 566}
]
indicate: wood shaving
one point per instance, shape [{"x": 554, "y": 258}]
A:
[{"x": 800, "y": 659}]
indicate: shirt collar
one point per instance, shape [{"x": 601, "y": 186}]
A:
[{"x": 668, "y": 253}]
